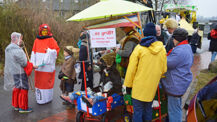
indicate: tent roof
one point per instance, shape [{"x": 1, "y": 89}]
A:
[{"x": 108, "y": 8}]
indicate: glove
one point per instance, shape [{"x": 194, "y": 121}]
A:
[
  {"x": 60, "y": 75},
  {"x": 28, "y": 68},
  {"x": 155, "y": 104}
]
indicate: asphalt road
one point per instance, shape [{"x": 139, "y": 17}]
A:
[{"x": 7, "y": 114}]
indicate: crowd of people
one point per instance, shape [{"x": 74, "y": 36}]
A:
[{"x": 143, "y": 61}]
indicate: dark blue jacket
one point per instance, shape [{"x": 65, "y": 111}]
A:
[
  {"x": 179, "y": 75},
  {"x": 83, "y": 56}
]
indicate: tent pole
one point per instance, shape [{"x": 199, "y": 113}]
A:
[
  {"x": 140, "y": 23},
  {"x": 131, "y": 21}
]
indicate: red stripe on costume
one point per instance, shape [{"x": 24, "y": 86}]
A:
[
  {"x": 44, "y": 80},
  {"x": 40, "y": 45}
]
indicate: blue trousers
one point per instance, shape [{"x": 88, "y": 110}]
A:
[
  {"x": 194, "y": 48},
  {"x": 142, "y": 111},
  {"x": 213, "y": 56},
  {"x": 175, "y": 109}
]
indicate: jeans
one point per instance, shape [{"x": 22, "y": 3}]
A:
[
  {"x": 194, "y": 48},
  {"x": 175, "y": 109},
  {"x": 213, "y": 56},
  {"x": 142, "y": 111}
]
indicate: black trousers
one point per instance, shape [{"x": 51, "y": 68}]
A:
[{"x": 89, "y": 84}]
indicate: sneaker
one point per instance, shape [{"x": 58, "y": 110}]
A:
[
  {"x": 66, "y": 99},
  {"x": 16, "y": 109},
  {"x": 25, "y": 111}
]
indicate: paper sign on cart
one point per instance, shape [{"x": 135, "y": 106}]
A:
[{"x": 100, "y": 38}]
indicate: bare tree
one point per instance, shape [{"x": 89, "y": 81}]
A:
[{"x": 158, "y": 4}]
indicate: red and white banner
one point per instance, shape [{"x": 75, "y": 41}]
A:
[{"x": 100, "y": 38}]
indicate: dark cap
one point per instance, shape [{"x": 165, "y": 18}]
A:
[
  {"x": 180, "y": 34},
  {"x": 149, "y": 30}
]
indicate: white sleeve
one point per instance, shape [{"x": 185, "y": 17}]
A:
[{"x": 50, "y": 56}]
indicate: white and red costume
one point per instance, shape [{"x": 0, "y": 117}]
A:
[{"x": 45, "y": 74}]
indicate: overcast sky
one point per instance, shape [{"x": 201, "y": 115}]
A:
[{"x": 207, "y": 8}]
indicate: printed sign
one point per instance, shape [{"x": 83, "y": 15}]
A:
[{"x": 100, "y": 38}]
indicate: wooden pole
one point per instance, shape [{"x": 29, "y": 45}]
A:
[
  {"x": 132, "y": 21},
  {"x": 29, "y": 79}
]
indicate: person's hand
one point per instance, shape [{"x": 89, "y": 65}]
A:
[{"x": 35, "y": 67}]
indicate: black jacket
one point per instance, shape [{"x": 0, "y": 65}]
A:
[
  {"x": 83, "y": 56},
  {"x": 195, "y": 39},
  {"x": 114, "y": 77}
]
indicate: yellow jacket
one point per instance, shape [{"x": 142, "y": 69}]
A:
[{"x": 146, "y": 66}]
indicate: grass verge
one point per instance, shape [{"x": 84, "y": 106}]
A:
[{"x": 202, "y": 79}]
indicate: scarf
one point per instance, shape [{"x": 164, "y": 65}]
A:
[
  {"x": 147, "y": 41},
  {"x": 67, "y": 57},
  {"x": 180, "y": 43},
  {"x": 43, "y": 37}
]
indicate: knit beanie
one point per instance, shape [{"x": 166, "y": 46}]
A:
[
  {"x": 180, "y": 34},
  {"x": 149, "y": 30}
]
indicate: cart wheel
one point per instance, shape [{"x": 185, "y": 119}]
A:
[
  {"x": 80, "y": 116},
  {"x": 127, "y": 117},
  {"x": 104, "y": 118}
]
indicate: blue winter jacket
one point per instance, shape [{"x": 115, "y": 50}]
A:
[{"x": 179, "y": 75}]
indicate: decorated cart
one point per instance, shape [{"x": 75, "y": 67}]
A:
[{"x": 116, "y": 13}]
